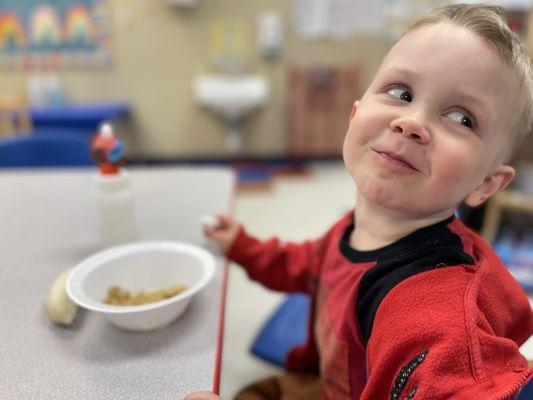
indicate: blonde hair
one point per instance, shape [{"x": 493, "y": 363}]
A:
[{"x": 489, "y": 22}]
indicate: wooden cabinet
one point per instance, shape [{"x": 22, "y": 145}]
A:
[{"x": 320, "y": 103}]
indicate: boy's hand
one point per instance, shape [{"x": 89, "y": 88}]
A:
[
  {"x": 202, "y": 396},
  {"x": 223, "y": 232}
]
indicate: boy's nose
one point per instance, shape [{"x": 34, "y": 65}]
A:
[{"x": 411, "y": 128}]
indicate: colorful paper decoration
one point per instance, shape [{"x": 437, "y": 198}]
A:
[
  {"x": 40, "y": 34},
  {"x": 45, "y": 28},
  {"x": 12, "y": 34}
]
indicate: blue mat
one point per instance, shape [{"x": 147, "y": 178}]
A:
[
  {"x": 82, "y": 116},
  {"x": 257, "y": 175},
  {"x": 286, "y": 328},
  {"x": 58, "y": 150}
]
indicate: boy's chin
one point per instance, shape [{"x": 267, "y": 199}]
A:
[
  {"x": 405, "y": 206},
  {"x": 383, "y": 197}
]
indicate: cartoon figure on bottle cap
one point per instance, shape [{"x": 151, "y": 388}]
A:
[{"x": 107, "y": 151}]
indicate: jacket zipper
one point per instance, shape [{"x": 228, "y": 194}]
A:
[{"x": 515, "y": 388}]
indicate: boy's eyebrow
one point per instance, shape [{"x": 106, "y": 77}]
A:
[
  {"x": 402, "y": 71},
  {"x": 475, "y": 100},
  {"x": 464, "y": 96}
]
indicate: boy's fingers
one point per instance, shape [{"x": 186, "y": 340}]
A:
[
  {"x": 214, "y": 233},
  {"x": 224, "y": 225},
  {"x": 221, "y": 237},
  {"x": 224, "y": 220},
  {"x": 211, "y": 230},
  {"x": 208, "y": 230},
  {"x": 222, "y": 217},
  {"x": 219, "y": 221},
  {"x": 202, "y": 396},
  {"x": 210, "y": 221}
]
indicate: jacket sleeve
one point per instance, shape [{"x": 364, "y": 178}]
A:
[
  {"x": 426, "y": 343},
  {"x": 279, "y": 266}
]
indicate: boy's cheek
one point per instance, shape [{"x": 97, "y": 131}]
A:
[
  {"x": 457, "y": 165},
  {"x": 356, "y": 130},
  {"x": 350, "y": 146},
  {"x": 452, "y": 185}
]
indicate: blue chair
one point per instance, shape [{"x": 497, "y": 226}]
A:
[
  {"x": 286, "y": 328},
  {"x": 526, "y": 393},
  {"x": 61, "y": 150}
]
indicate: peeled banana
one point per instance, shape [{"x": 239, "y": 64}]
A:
[{"x": 57, "y": 304}]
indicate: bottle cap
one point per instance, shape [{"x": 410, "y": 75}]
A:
[
  {"x": 107, "y": 150},
  {"x": 106, "y": 130}
]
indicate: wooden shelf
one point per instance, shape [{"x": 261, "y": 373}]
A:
[{"x": 506, "y": 200}]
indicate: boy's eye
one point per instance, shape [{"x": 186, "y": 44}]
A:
[
  {"x": 400, "y": 93},
  {"x": 461, "y": 118}
]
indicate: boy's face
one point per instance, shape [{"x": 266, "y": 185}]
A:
[{"x": 429, "y": 130}]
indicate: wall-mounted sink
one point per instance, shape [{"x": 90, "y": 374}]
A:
[{"x": 232, "y": 97}]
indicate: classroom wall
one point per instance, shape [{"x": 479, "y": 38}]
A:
[{"x": 159, "y": 49}]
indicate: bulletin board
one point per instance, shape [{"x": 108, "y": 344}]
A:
[{"x": 54, "y": 34}]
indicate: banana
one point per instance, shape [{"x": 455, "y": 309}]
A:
[{"x": 57, "y": 304}]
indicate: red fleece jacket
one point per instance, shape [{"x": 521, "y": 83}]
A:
[{"x": 446, "y": 333}]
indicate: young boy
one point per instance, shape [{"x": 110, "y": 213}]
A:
[{"x": 406, "y": 301}]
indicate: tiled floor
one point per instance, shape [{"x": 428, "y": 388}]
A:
[{"x": 294, "y": 208}]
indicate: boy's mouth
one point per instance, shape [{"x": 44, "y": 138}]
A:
[{"x": 396, "y": 158}]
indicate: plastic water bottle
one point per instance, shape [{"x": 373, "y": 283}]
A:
[
  {"x": 113, "y": 191},
  {"x": 116, "y": 207}
]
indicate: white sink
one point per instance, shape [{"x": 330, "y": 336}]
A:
[{"x": 231, "y": 96}]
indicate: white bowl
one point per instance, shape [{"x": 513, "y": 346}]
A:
[{"x": 141, "y": 266}]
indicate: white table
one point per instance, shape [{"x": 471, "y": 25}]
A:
[{"x": 48, "y": 223}]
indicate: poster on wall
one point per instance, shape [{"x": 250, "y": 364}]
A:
[{"x": 54, "y": 34}]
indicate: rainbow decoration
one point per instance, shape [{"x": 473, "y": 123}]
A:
[
  {"x": 78, "y": 25},
  {"x": 44, "y": 34},
  {"x": 12, "y": 33},
  {"x": 45, "y": 28}
]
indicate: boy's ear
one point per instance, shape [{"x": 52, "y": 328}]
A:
[
  {"x": 354, "y": 109},
  {"x": 497, "y": 180}
]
